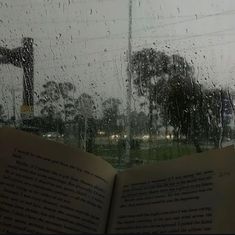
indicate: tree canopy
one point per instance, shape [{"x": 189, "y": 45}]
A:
[{"x": 168, "y": 82}]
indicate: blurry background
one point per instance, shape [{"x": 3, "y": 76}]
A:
[{"x": 72, "y": 82}]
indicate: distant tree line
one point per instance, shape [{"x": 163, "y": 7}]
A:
[
  {"x": 169, "y": 84},
  {"x": 174, "y": 97}
]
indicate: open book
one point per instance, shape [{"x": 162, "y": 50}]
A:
[{"x": 47, "y": 187}]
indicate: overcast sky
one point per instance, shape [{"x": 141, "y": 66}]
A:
[{"x": 85, "y": 41}]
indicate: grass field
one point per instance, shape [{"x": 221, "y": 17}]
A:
[
  {"x": 147, "y": 154},
  {"x": 158, "y": 150}
]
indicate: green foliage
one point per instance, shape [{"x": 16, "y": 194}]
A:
[
  {"x": 55, "y": 99},
  {"x": 67, "y": 90},
  {"x": 84, "y": 118},
  {"x": 147, "y": 66},
  {"x": 168, "y": 83},
  {"x": 139, "y": 123},
  {"x": 2, "y": 113},
  {"x": 114, "y": 153},
  {"x": 49, "y": 99},
  {"x": 45, "y": 124},
  {"x": 85, "y": 106},
  {"x": 134, "y": 143},
  {"x": 194, "y": 112},
  {"x": 111, "y": 115},
  {"x": 216, "y": 108},
  {"x": 86, "y": 126}
]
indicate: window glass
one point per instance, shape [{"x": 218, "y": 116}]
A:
[{"x": 132, "y": 81}]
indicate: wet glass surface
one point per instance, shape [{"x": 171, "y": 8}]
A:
[{"x": 131, "y": 81}]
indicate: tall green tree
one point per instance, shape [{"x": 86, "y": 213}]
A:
[
  {"x": 148, "y": 65},
  {"x": 139, "y": 123},
  {"x": 194, "y": 112},
  {"x": 67, "y": 90},
  {"x": 85, "y": 105},
  {"x": 180, "y": 98},
  {"x": 179, "y": 66},
  {"x": 217, "y": 108},
  {"x": 50, "y": 100},
  {"x": 57, "y": 99},
  {"x": 110, "y": 115},
  {"x": 85, "y": 110},
  {"x": 161, "y": 94},
  {"x": 2, "y": 113}
]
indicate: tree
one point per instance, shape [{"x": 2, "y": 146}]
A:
[
  {"x": 110, "y": 115},
  {"x": 161, "y": 94},
  {"x": 180, "y": 67},
  {"x": 44, "y": 124},
  {"x": 217, "y": 109},
  {"x": 148, "y": 65},
  {"x": 180, "y": 99},
  {"x": 139, "y": 123},
  {"x": 56, "y": 100},
  {"x": 85, "y": 107},
  {"x": 67, "y": 90},
  {"x": 2, "y": 113},
  {"x": 194, "y": 112},
  {"x": 49, "y": 100}
]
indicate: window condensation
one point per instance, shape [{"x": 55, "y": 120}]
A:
[{"x": 134, "y": 82}]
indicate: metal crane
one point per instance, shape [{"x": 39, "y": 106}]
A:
[{"x": 23, "y": 57}]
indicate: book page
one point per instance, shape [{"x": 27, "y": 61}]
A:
[
  {"x": 193, "y": 194},
  {"x": 46, "y": 187}
]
